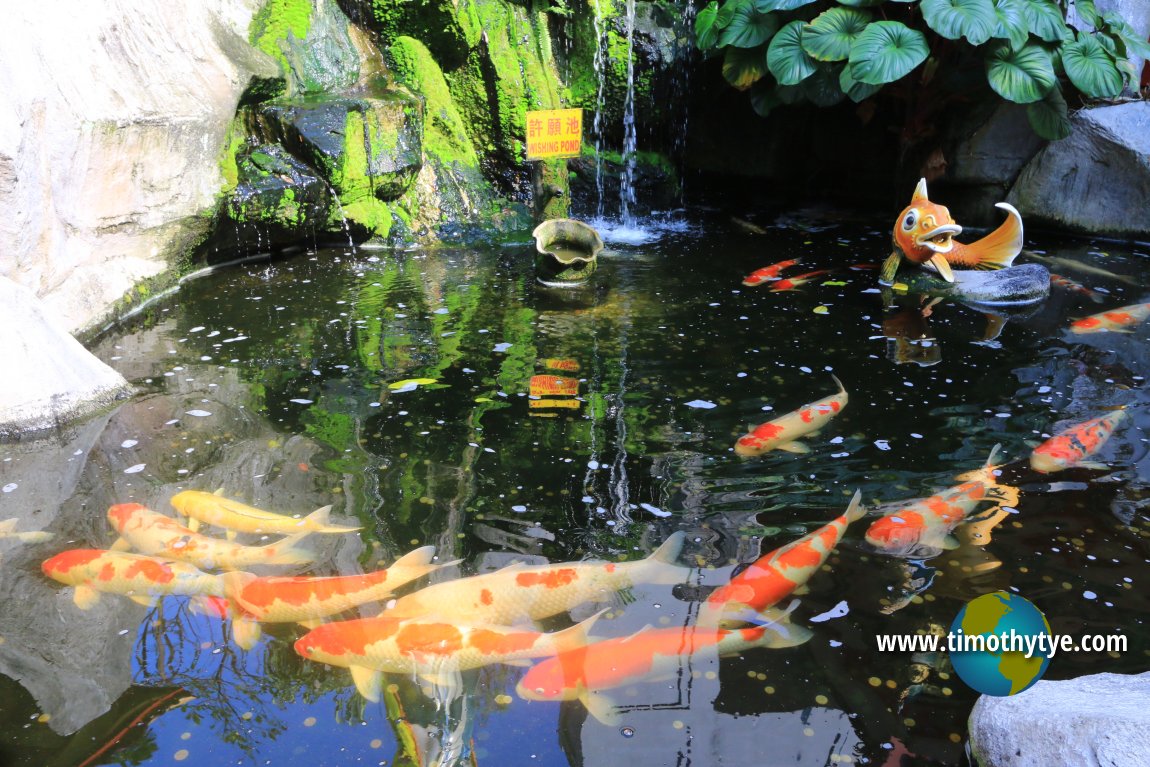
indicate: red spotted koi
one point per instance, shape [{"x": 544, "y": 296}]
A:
[
  {"x": 783, "y": 432},
  {"x": 140, "y": 578},
  {"x": 1071, "y": 446},
  {"x": 152, "y": 533},
  {"x": 214, "y": 509},
  {"x": 924, "y": 234},
  {"x": 1075, "y": 287},
  {"x": 768, "y": 273},
  {"x": 793, "y": 282},
  {"x": 520, "y": 592},
  {"x": 1120, "y": 320},
  {"x": 432, "y": 649}
]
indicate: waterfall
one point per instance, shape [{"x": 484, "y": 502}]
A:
[
  {"x": 627, "y": 180},
  {"x": 597, "y": 125}
]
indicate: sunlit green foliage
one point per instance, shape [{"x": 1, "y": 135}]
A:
[{"x": 819, "y": 51}]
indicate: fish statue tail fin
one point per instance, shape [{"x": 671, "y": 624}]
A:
[
  {"x": 577, "y": 636},
  {"x": 998, "y": 249},
  {"x": 317, "y": 522}
]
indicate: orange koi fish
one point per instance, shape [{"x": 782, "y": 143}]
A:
[
  {"x": 370, "y": 646},
  {"x": 1076, "y": 287},
  {"x": 1074, "y": 443},
  {"x": 783, "y": 432},
  {"x": 153, "y": 533},
  {"x": 925, "y": 524},
  {"x": 285, "y": 599},
  {"x": 1120, "y": 320},
  {"x": 140, "y": 578},
  {"x": 776, "y": 575},
  {"x": 519, "y": 592},
  {"x": 924, "y": 234},
  {"x": 648, "y": 655},
  {"x": 794, "y": 282},
  {"x": 214, "y": 509},
  {"x": 768, "y": 273},
  {"x": 8, "y": 532}
]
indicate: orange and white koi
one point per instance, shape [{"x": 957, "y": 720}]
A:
[
  {"x": 924, "y": 234},
  {"x": 8, "y": 531},
  {"x": 136, "y": 576},
  {"x": 783, "y": 432},
  {"x": 650, "y": 654},
  {"x": 768, "y": 273},
  {"x": 774, "y": 576},
  {"x": 431, "y": 649},
  {"x": 793, "y": 282},
  {"x": 214, "y": 509},
  {"x": 152, "y": 533},
  {"x": 519, "y": 592},
  {"x": 303, "y": 599},
  {"x": 924, "y": 525},
  {"x": 1075, "y": 287},
  {"x": 1071, "y": 446},
  {"x": 1120, "y": 320}
]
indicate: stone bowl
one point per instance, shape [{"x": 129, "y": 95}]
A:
[{"x": 567, "y": 252}]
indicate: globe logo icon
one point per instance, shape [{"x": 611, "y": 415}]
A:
[{"x": 988, "y": 640}]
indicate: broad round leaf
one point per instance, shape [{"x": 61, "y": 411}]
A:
[
  {"x": 860, "y": 3},
  {"x": 727, "y": 11},
  {"x": 973, "y": 19},
  {"x": 1090, "y": 68},
  {"x": 1048, "y": 117},
  {"x": 822, "y": 88},
  {"x": 885, "y": 52},
  {"x": 1011, "y": 23},
  {"x": 742, "y": 67},
  {"x": 1088, "y": 12},
  {"x": 1136, "y": 45},
  {"x": 829, "y": 36},
  {"x": 706, "y": 34},
  {"x": 749, "y": 28},
  {"x": 1044, "y": 18},
  {"x": 780, "y": 5},
  {"x": 786, "y": 59},
  {"x": 854, "y": 89},
  {"x": 1023, "y": 76},
  {"x": 764, "y": 99}
]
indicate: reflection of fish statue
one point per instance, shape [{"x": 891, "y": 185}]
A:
[
  {"x": 214, "y": 509},
  {"x": 924, "y": 234},
  {"x": 141, "y": 578},
  {"x": 305, "y": 599},
  {"x": 774, "y": 576},
  {"x": 783, "y": 432},
  {"x": 520, "y": 592},
  {"x": 153, "y": 533},
  {"x": 1071, "y": 446},
  {"x": 1120, "y": 320},
  {"x": 923, "y": 526},
  {"x": 369, "y": 646}
]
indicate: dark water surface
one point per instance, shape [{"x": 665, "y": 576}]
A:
[{"x": 283, "y": 383}]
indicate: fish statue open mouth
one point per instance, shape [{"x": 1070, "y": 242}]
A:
[{"x": 924, "y": 234}]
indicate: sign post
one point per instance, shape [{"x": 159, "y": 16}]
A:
[{"x": 554, "y": 133}]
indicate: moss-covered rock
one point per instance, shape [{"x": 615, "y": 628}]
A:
[
  {"x": 275, "y": 188},
  {"x": 310, "y": 41},
  {"x": 449, "y": 28}
]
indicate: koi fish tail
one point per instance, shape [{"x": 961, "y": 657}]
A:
[
  {"x": 855, "y": 510},
  {"x": 985, "y": 470},
  {"x": 290, "y": 551},
  {"x": 317, "y": 522},
  {"x": 777, "y": 629},
  {"x": 245, "y": 632},
  {"x": 575, "y": 637},
  {"x": 996, "y": 250}
]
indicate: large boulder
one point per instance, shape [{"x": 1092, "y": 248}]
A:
[
  {"x": 276, "y": 190},
  {"x": 1090, "y": 181},
  {"x": 1099, "y": 719}
]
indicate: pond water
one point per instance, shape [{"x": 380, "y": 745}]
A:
[{"x": 398, "y": 388}]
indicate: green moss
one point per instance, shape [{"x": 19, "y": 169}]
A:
[
  {"x": 449, "y": 28},
  {"x": 234, "y": 141},
  {"x": 275, "y": 21}
]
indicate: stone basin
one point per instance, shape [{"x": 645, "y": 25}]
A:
[{"x": 567, "y": 251}]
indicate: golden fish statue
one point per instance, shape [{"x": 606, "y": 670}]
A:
[{"x": 924, "y": 235}]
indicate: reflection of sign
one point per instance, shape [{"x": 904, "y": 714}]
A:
[
  {"x": 554, "y": 133},
  {"x": 556, "y": 364},
  {"x": 551, "y": 386},
  {"x": 570, "y": 404}
]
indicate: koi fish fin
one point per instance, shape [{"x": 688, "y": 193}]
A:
[
  {"x": 8, "y": 526},
  {"x": 289, "y": 551},
  {"x": 890, "y": 268},
  {"x": 780, "y": 632},
  {"x": 230, "y": 535},
  {"x": 794, "y": 447},
  {"x": 214, "y": 607},
  {"x": 120, "y": 544},
  {"x": 668, "y": 552},
  {"x": 246, "y": 632},
  {"x": 1095, "y": 465},
  {"x": 801, "y": 590},
  {"x": 855, "y": 510},
  {"x": 662, "y": 566},
  {"x": 218, "y": 491},
  {"x": 317, "y": 522},
  {"x": 919, "y": 192},
  {"x": 939, "y": 262},
  {"x": 599, "y": 706},
  {"x": 577, "y": 636},
  {"x": 842, "y": 389},
  {"x": 949, "y": 542},
  {"x": 34, "y": 536},
  {"x": 368, "y": 681},
  {"x": 999, "y": 248},
  {"x": 85, "y": 597},
  {"x": 420, "y": 557},
  {"x": 140, "y": 599},
  {"x": 311, "y": 623},
  {"x": 968, "y": 476},
  {"x": 520, "y": 662}
]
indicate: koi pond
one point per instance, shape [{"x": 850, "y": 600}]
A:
[{"x": 445, "y": 399}]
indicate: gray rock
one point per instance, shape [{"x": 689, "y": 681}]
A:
[
  {"x": 1100, "y": 719},
  {"x": 50, "y": 378},
  {"x": 1095, "y": 181},
  {"x": 1013, "y": 286},
  {"x": 995, "y": 151}
]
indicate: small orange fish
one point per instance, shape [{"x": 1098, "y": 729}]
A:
[
  {"x": 1075, "y": 287},
  {"x": 1073, "y": 444},
  {"x": 924, "y": 234},
  {"x": 793, "y": 282},
  {"x": 140, "y": 578},
  {"x": 768, "y": 273},
  {"x": 783, "y": 432},
  {"x": 1120, "y": 320}
]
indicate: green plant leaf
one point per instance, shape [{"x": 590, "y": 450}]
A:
[
  {"x": 706, "y": 34},
  {"x": 1011, "y": 22},
  {"x": 886, "y": 51},
  {"x": 973, "y": 19},
  {"x": 1048, "y": 117},
  {"x": 743, "y": 67},
  {"x": 727, "y": 11},
  {"x": 764, "y": 98},
  {"x": 1088, "y": 12},
  {"x": 1023, "y": 76},
  {"x": 749, "y": 27},
  {"x": 829, "y": 36},
  {"x": 854, "y": 89},
  {"x": 861, "y": 3},
  {"x": 1136, "y": 45},
  {"x": 780, "y": 5},
  {"x": 822, "y": 88},
  {"x": 1045, "y": 19},
  {"x": 1091, "y": 68},
  {"x": 786, "y": 59}
]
